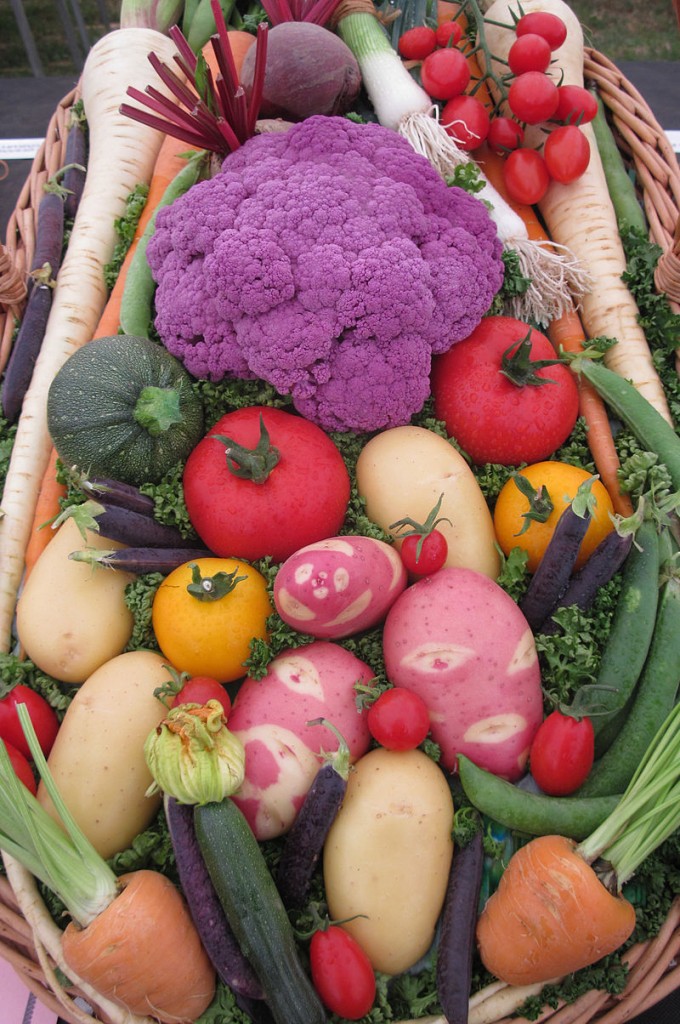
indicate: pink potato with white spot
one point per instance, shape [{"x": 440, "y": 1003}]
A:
[
  {"x": 459, "y": 641},
  {"x": 339, "y": 586},
  {"x": 283, "y": 753}
]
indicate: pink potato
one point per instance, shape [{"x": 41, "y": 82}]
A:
[
  {"x": 457, "y": 639},
  {"x": 283, "y": 753},
  {"x": 339, "y": 586}
]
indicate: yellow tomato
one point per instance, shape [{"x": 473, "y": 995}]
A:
[
  {"x": 560, "y": 482},
  {"x": 205, "y": 617}
]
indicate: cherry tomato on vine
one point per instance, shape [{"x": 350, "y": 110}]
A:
[
  {"x": 341, "y": 972},
  {"x": 533, "y": 97},
  {"x": 432, "y": 554},
  {"x": 445, "y": 73},
  {"x": 529, "y": 53},
  {"x": 22, "y": 767},
  {"x": 545, "y": 24},
  {"x": 575, "y": 104},
  {"x": 399, "y": 719},
  {"x": 416, "y": 43},
  {"x": 466, "y": 120},
  {"x": 562, "y": 753},
  {"x": 566, "y": 153},
  {"x": 449, "y": 33},
  {"x": 505, "y": 134},
  {"x": 526, "y": 176},
  {"x": 201, "y": 689},
  {"x": 42, "y": 715}
]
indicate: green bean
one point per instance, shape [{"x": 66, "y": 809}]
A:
[
  {"x": 532, "y": 813},
  {"x": 619, "y": 182}
]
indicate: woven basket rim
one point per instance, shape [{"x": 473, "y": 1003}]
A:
[{"x": 654, "y": 971}]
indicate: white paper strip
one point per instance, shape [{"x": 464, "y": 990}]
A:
[{"x": 19, "y": 149}]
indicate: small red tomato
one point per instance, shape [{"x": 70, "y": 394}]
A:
[
  {"x": 342, "y": 973},
  {"x": 562, "y": 753},
  {"x": 566, "y": 153},
  {"x": 399, "y": 719},
  {"x": 543, "y": 23},
  {"x": 22, "y": 768},
  {"x": 445, "y": 73},
  {"x": 529, "y": 53},
  {"x": 466, "y": 120},
  {"x": 575, "y": 105},
  {"x": 526, "y": 176},
  {"x": 416, "y": 43},
  {"x": 201, "y": 689},
  {"x": 505, "y": 134},
  {"x": 43, "y": 717},
  {"x": 423, "y": 554},
  {"x": 449, "y": 33},
  {"x": 533, "y": 97}
]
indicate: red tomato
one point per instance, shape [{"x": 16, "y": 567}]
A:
[
  {"x": 575, "y": 105},
  {"x": 445, "y": 73},
  {"x": 448, "y": 33},
  {"x": 529, "y": 53},
  {"x": 466, "y": 120},
  {"x": 342, "y": 973},
  {"x": 505, "y": 134},
  {"x": 43, "y": 717},
  {"x": 399, "y": 719},
  {"x": 566, "y": 153},
  {"x": 302, "y": 499},
  {"x": 533, "y": 97},
  {"x": 22, "y": 768},
  {"x": 492, "y": 418},
  {"x": 543, "y": 23},
  {"x": 432, "y": 554},
  {"x": 201, "y": 689},
  {"x": 416, "y": 43},
  {"x": 562, "y": 753},
  {"x": 526, "y": 176}
]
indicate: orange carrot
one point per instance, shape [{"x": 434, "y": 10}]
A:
[
  {"x": 47, "y": 507},
  {"x": 550, "y": 915}
]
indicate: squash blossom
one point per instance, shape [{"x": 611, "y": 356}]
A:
[{"x": 193, "y": 756}]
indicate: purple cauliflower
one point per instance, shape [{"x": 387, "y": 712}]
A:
[{"x": 331, "y": 261}]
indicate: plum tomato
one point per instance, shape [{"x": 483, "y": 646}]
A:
[
  {"x": 566, "y": 153},
  {"x": 398, "y": 719},
  {"x": 449, "y": 33},
  {"x": 445, "y": 73},
  {"x": 526, "y": 176},
  {"x": 341, "y": 972},
  {"x": 416, "y": 43},
  {"x": 42, "y": 715},
  {"x": 503, "y": 394},
  {"x": 505, "y": 134},
  {"x": 575, "y": 104},
  {"x": 527, "y": 511},
  {"x": 562, "y": 753},
  {"x": 529, "y": 53},
  {"x": 533, "y": 97},
  {"x": 22, "y": 767},
  {"x": 543, "y": 23},
  {"x": 466, "y": 120}
]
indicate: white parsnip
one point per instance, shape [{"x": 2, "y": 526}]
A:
[
  {"x": 122, "y": 154},
  {"x": 581, "y": 214}
]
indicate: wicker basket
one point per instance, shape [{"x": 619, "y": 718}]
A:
[{"x": 654, "y": 970}]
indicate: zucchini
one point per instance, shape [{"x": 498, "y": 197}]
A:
[
  {"x": 255, "y": 911},
  {"x": 124, "y": 407}
]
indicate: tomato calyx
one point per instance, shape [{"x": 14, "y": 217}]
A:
[
  {"x": 168, "y": 690},
  {"x": 253, "y": 464},
  {"x": 540, "y": 502},
  {"x": 212, "y": 588},
  {"x": 520, "y": 369},
  {"x": 411, "y": 528}
]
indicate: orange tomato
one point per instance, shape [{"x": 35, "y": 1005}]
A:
[
  {"x": 210, "y": 635},
  {"x": 561, "y": 482}
]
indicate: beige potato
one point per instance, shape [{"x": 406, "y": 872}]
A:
[
  {"x": 71, "y": 617},
  {"x": 401, "y": 472},
  {"x": 388, "y": 854},
  {"x": 98, "y": 756}
]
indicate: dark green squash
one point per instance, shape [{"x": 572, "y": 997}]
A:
[{"x": 123, "y": 407}]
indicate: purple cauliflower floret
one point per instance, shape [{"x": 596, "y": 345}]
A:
[{"x": 331, "y": 261}]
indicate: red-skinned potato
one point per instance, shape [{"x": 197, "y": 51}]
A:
[
  {"x": 338, "y": 586},
  {"x": 459, "y": 640},
  {"x": 270, "y": 717}
]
